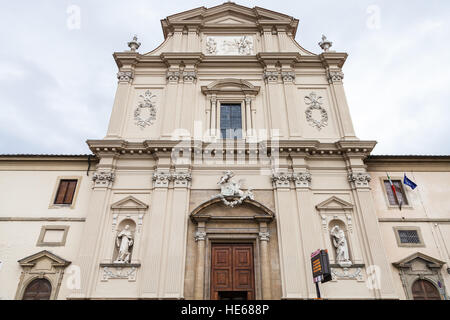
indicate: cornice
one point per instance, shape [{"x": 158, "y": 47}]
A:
[
  {"x": 358, "y": 149},
  {"x": 333, "y": 60}
]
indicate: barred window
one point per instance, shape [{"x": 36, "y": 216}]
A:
[
  {"x": 409, "y": 236},
  {"x": 400, "y": 192}
]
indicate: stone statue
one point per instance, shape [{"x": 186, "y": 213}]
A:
[
  {"x": 340, "y": 243},
  {"x": 124, "y": 242}
]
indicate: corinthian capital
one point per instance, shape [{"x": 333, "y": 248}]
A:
[
  {"x": 335, "y": 76},
  {"x": 103, "y": 179},
  {"x": 302, "y": 179},
  {"x": 281, "y": 179},
  {"x": 189, "y": 76},
  {"x": 181, "y": 179},
  {"x": 288, "y": 76},
  {"x": 359, "y": 179},
  {"x": 161, "y": 179},
  {"x": 271, "y": 76},
  {"x": 125, "y": 76}
]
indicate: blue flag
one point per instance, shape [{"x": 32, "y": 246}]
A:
[{"x": 409, "y": 183}]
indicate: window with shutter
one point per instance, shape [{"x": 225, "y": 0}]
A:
[
  {"x": 400, "y": 192},
  {"x": 230, "y": 121},
  {"x": 66, "y": 191}
]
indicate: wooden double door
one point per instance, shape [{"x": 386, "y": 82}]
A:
[{"x": 232, "y": 272}]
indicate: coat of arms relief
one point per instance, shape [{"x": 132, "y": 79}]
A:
[{"x": 231, "y": 188}]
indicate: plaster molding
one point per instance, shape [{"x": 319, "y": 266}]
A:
[{"x": 264, "y": 236}]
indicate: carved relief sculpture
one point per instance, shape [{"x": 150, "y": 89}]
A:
[
  {"x": 340, "y": 243},
  {"x": 315, "y": 102},
  {"x": 124, "y": 241},
  {"x": 148, "y": 106},
  {"x": 226, "y": 45},
  {"x": 230, "y": 188}
]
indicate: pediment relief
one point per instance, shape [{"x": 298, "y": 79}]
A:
[
  {"x": 43, "y": 260},
  {"x": 418, "y": 261},
  {"x": 334, "y": 204},
  {"x": 129, "y": 203}
]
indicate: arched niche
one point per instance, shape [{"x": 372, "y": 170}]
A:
[{"x": 124, "y": 226}]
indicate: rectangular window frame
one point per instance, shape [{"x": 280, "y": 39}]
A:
[
  {"x": 405, "y": 193},
  {"x": 53, "y": 205},
  {"x": 44, "y": 229},
  {"x": 408, "y": 245},
  {"x": 240, "y": 102}
]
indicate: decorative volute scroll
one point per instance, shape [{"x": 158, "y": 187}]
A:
[{"x": 315, "y": 102}]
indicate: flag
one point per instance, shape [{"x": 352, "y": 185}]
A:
[
  {"x": 409, "y": 183},
  {"x": 395, "y": 192}
]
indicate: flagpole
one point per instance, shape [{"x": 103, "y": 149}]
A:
[{"x": 394, "y": 191}]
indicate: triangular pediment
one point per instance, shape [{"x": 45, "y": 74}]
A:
[
  {"x": 419, "y": 257},
  {"x": 334, "y": 203},
  {"x": 130, "y": 203},
  {"x": 228, "y": 14},
  {"x": 55, "y": 260}
]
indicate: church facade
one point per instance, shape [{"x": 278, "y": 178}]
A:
[{"x": 229, "y": 158}]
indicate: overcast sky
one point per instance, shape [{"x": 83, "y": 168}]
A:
[{"x": 58, "y": 77}]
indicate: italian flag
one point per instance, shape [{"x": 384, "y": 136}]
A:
[{"x": 395, "y": 192}]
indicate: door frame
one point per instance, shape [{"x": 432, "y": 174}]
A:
[{"x": 233, "y": 239}]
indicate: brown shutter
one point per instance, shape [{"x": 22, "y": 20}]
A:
[
  {"x": 70, "y": 191},
  {"x": 66, "y": 191},
  {"x": 62, "y": 189}
]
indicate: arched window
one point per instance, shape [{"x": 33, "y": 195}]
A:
[
  {"x": 425, "y": 290},
  {"x": 38, "y": 289}
]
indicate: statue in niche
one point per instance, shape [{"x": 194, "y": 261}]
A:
[
  {"x": 340, "y": 243},
  {"x": 124, "y": 241}
]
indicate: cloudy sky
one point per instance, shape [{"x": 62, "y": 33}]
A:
[{"x": 57, "y": 76}]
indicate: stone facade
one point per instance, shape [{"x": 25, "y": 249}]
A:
[{"x": 297, "y": 171}]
